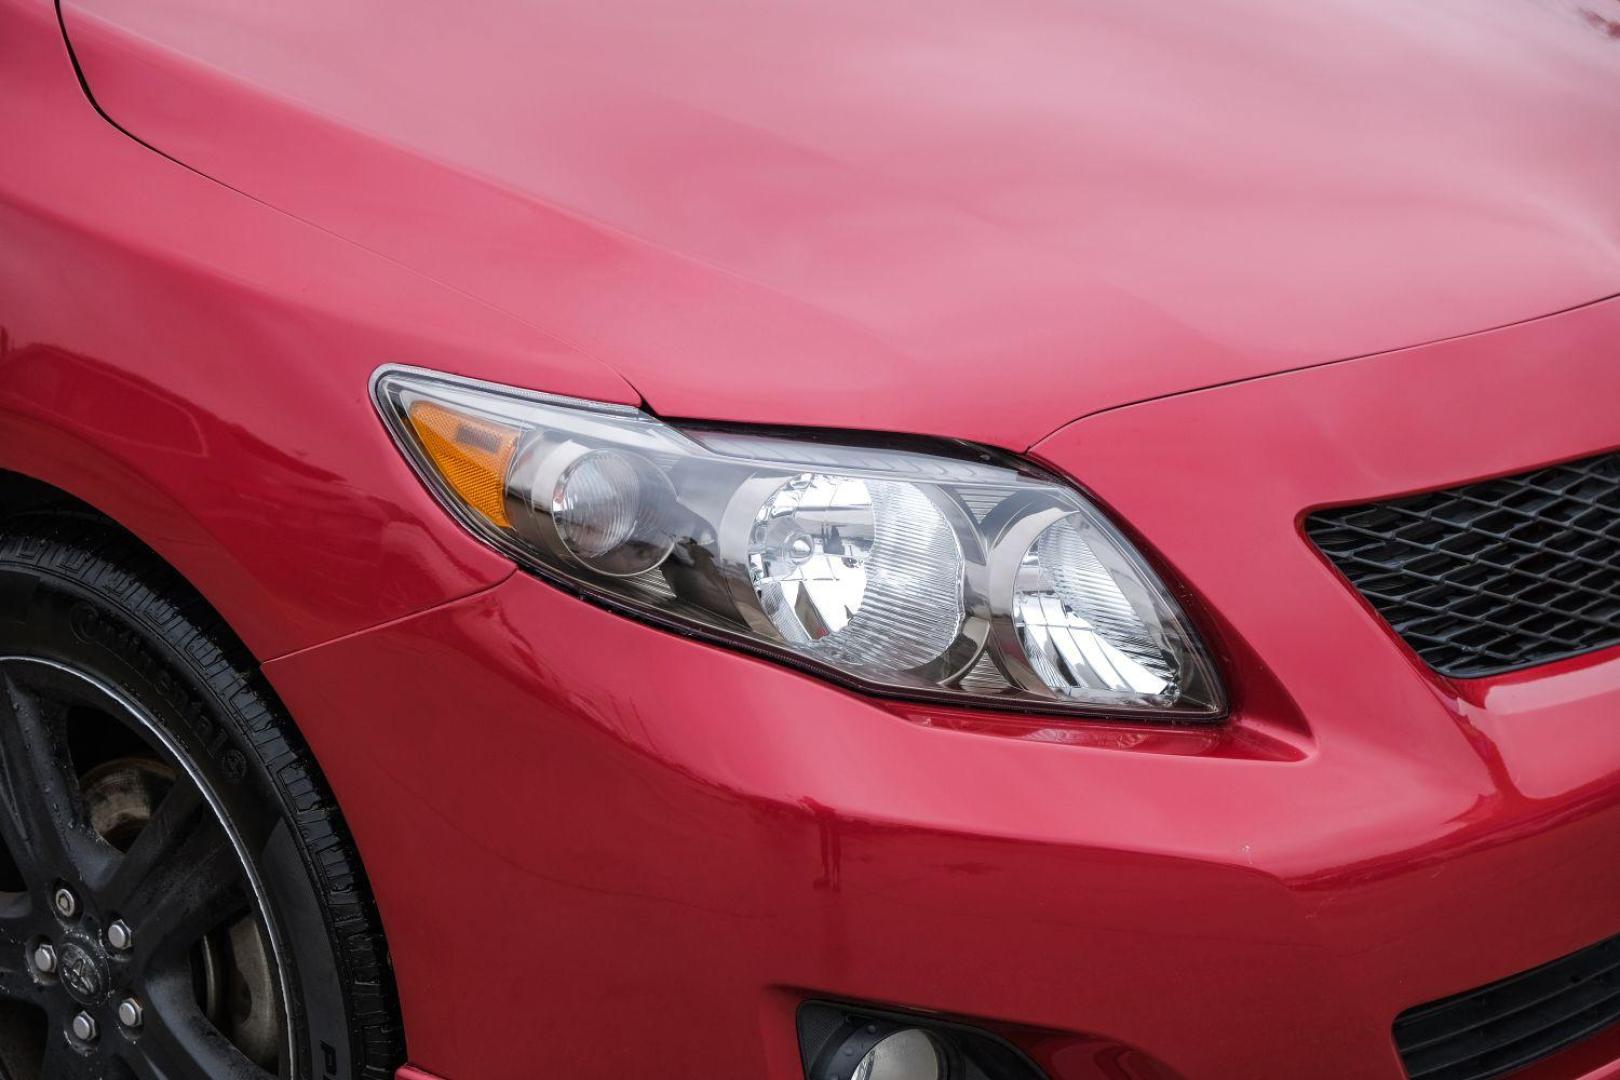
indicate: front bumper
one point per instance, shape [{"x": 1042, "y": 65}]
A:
[{"x": 603, "y": 850}]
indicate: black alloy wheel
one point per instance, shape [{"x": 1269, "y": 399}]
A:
[
  {"x": 134, "y": 929},
  {"x": 178, "y": 899}
]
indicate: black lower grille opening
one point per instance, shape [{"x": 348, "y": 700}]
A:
[
  {"x": 1490, "y": 577},
  {"x": 1496, "y": 1029}
]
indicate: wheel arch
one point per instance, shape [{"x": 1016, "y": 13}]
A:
[
  {"x": 24, "y": 496},
  {"x": 295, "y": 518},
  {"x": 189, "y": 636}
]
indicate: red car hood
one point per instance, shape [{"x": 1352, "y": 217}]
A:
[{"x": 976, "y": 218}]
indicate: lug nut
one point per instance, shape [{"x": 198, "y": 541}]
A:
[
  {"x": 67, "y": 905},
  {"x": 44, "y": 958},
  {"x": 119, "y": 935},
  {"x": 130, "y": 1013},
  {"x": 83, "y": 1027}
]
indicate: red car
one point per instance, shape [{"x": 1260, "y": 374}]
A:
[{"x": 768, "y": 540}]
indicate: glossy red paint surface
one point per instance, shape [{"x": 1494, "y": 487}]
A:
[
  {"x": 889, "y": 215},
  {"x": 697, "y": 844},
  {"x": 980, "y": 221},
  {"x": 194, "y": 363}
]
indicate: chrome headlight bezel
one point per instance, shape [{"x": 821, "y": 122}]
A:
[{"x": 994, "y": 504}]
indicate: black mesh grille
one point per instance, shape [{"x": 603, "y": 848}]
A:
[
  {"x": 1493, "y": 576},
  {"x": 1501, "y": 1027}
]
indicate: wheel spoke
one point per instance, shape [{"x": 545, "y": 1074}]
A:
[
  {"x": 16, "y": 984},
  {"x": 62, "y": 1062},
  {"x": 177, "y": 1042},
  {"x": 176, "y": 822},
  {"x": 16, "y": 922},
  {"x": 42, "y": 818},
  {"x": 180, "y": 879},
  {"x": 16, "y": 925}
]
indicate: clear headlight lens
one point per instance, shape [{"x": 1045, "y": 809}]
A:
[
  {"x": 954, "y": 575},
  {"x": 864, "y": 573}
]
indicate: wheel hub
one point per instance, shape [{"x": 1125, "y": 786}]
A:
[{"x": 84, "y": 972}]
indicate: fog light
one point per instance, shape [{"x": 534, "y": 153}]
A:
[
  {"x": 908, "y": 1054},
  {"x": 857, "y": 1043}
]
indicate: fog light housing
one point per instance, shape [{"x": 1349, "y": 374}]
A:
[{"x": 840, "y": 1042}]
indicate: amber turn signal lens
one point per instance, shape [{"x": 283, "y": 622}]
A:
[{"x": 471, "y": 453}]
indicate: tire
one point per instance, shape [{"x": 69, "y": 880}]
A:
[{"x": 147, "y": 769}]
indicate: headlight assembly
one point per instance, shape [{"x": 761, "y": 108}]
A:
[{"x": 948, "y": 574}]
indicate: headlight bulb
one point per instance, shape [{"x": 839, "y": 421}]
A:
[
  {"x": 1079, "y": 630},
  {"x": 864, "y": 572}
]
